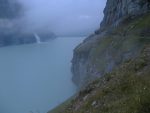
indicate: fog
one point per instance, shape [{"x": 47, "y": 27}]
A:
[{"x": 63, "y": 17}]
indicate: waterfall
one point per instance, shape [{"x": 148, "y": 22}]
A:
[{"x": 38, "y": 40}]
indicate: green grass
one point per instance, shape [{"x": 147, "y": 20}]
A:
[
  {"x": 62, "y": 106},
  {"x": 127, "y": 88},
  {"x": 143, "y": 22},
  {"x": 124, "y": 39}
]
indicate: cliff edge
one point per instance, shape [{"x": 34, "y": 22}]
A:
[
  {"x": 117, "y": 11},
  {"x": 124, "y": 90},
  {"x": 112, "y": 66},
  {"x": 125, "y": 24}
]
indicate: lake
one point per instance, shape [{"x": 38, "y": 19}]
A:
[{"x": 36, "y": 78}]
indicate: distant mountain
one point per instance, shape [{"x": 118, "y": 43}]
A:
[
  {"x": 12, "y": 31},
  {"x": 9, "y": 9}
]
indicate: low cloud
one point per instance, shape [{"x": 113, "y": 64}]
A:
[{"x": 63, "y": 17}]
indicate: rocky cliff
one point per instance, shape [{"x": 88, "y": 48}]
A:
[
  {"x": 124, "y": 90},
  {"x": 112, "y": 66},
  {"x": 116, "y": 11},
  {"x": 122, "y": 34}
]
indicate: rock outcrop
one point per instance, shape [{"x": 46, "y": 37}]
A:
[
  {"x": 125, "y": 90},
  {"x": 116, "y": 11},
  {"x": 112, "y": 67},
  {"x": 117, "y": 40}
]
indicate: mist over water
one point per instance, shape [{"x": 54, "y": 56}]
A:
[
  {"x": 35, "y": 78},
  {"x": 63, "y": 17}
]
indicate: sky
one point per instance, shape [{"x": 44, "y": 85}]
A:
[{"x": 63, "y": 17}]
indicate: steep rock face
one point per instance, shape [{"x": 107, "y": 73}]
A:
[
  {"x": 125, "y": 90},
  {"x": 117, "y": 10},
  {"x": 102, "y": 52}
]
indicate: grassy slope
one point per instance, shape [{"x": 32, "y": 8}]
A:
[{"x": 127, "y": 88}]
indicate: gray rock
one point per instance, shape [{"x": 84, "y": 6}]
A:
[
  {"x": 85, "y": 98},
  {"x": 102, "y": 52},
  {"x": 117, "y": 10},
  {"x": 94, "y": 103}
]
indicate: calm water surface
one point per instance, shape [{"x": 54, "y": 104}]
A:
[{"x": 35, "y": 78}]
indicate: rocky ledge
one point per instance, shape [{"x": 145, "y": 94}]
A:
[
  {"x": 125, "y": 24},
  {"x": 124, "y": 90},
  {"x": 112, "y": 66}
]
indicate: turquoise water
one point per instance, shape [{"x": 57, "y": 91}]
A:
[{"x": 35, "y": 78}]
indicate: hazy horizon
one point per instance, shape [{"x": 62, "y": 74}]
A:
[{"x": 63, "y": 17}]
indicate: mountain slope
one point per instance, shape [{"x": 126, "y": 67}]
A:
[
  {"x": 125, "y": 90},
  {"x": 117, "y": 40},
  {"x": 112, "y": 66}
]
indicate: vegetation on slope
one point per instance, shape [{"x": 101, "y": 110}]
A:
[
  {"x": 127, "y": 88},
  {"x": 106, "y": 51}
]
